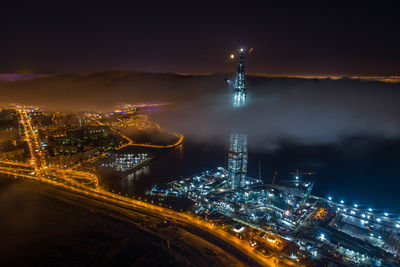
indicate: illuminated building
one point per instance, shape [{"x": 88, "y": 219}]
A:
[
  {"x": 126, "y": 162},
  {"x": 237, "y": 152},
  {"x": 240, "y": 95},
  {"x": 237, "y": 160},
  {"x": 123, "y": 162}
]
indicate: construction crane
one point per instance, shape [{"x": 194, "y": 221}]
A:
[
  {"x": 269, "y": 193},
  {"x": 273, "y": 179},
  {"x": 288, "y": 204}
]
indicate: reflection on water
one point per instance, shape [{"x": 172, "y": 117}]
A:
[
  {"x": 136, "y": 174},
  {"x": 128, "y": 182},
  {"x": 182, "y": 161},
  {"x": 351, "y": 174}
]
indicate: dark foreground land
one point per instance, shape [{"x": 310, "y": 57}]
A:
[{"x": 40, "y": 225}]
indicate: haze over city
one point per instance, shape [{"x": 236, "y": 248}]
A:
[{"x": 199, "y": 133}]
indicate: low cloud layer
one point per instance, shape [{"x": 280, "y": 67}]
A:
[
  {"x": 304, "y": 111},
  {"x": 279, "y": 110}
]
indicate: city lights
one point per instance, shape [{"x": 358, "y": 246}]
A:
[{"x": 271, "y": 219}]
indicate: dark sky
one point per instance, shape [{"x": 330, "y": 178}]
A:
[{"x": 196, "y": 37}]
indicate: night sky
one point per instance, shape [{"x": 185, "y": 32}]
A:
[{"x": 196, "y": 37}]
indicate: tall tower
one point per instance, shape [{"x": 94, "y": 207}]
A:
[
  {"x": 237, "y": 152},
  {"x": 240, "y": 95}
]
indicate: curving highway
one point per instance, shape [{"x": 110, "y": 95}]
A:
[{"x": 85, "y": 186}]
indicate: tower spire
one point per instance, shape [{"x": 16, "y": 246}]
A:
[{"x": 240, "y": 94}]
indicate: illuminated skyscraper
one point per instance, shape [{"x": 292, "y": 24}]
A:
[
  {"x": 237, "y": 152},
  {"x": 240, "y": 94}
]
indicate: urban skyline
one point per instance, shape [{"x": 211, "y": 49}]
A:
[{"x": 155, "y": 133}]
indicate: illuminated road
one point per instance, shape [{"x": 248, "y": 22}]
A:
[
  {"x": 144, "y": 124},
  {"x": 86, "y": 185},
  {"x": 37, "y": 153},
  {"x": 157, "y": 211}
]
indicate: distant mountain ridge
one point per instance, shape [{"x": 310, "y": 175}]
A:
[
  {"x": 301, "y": 110},
  {"x": 11, "y": 77}
]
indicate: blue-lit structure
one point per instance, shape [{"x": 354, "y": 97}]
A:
[
  {"x": 237, "y": 160},
  {"x": 237, "y": 152},
  {"x": 283, "y": 212},
  {"x": 240, "y": 95}
]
